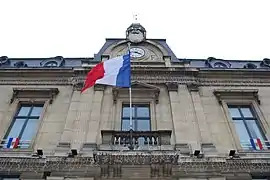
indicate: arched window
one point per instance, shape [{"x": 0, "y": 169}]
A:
[{"x": 51, "y": 64}]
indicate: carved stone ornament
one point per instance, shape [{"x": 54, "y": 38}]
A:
[
  {"x": 140, "y": 88},
  {"x": 172, "y": 86},
  {"x": 136, "y": 33},
  {"x": 99, "y": 87},
  {"x": 115, "y": 161},
  {"x": 226, "y": 94},
  {"x": 193, "y": 87},
  {"x": 32, "y": 93},
  {"x": 78, "y": 86}
]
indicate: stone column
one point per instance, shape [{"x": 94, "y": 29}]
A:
[
  {"x": 186, "y": 134},
  {"x": 107, "y": 118},
  {"x": 65, "y": 141},
  {"x": 203, "y": 128},
  {"x": 93, "y": 128},
  {"x": 73, "y": 120},
  {"x": 83, "y": 116}
]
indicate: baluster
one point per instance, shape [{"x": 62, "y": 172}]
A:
[
  {"x": 122, "y": 140},
  {"x": 155, "y": 140},
  {"x": 116, "y": 140},
  {"x": 145, "y": 140},
  {"x": 136, "y": 140},
  {"x": 150, "y": 140},
  {"x": 126, "y": 140}
]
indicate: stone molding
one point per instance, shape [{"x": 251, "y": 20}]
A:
[
  {"x": 92, "y": 165},
  {"x": 225, "y": 94},
  {"x": 46, "y": 93},
  {"x": 138, "y": 87},
  {"x": 193, "y": 87},
  {"x": 173, "y": 86}
]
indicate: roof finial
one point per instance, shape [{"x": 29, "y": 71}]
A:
[{"x": 135, "y": 18}]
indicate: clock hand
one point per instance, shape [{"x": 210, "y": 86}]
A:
[{"x": 138, "y": 53}]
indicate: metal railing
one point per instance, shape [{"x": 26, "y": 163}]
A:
[
  {"x": 23, "y": 144},
  {"x": 246, "y": 145},
  {"x": 130, "y": 138}
]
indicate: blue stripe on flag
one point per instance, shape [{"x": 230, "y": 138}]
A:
[
  {"x": 124, "y": 75},
  {"x": 9, "y": 142},
  {"x": 253, "y": 144}
]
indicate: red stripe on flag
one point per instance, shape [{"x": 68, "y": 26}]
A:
[
  {"x": 259, "y": 143},
  {"x": 96, "y": 73}
]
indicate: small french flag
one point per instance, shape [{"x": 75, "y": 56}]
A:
[
  {"x": 256, "y": 144},
  {"x": 13, "y": 143}
]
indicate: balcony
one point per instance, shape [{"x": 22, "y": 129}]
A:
[{"x": 136, "y": 140}]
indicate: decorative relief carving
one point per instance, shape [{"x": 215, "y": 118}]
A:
[
  {"x": 46, "y": 93},
  {"x": 161, "y": 164},
  {"x": 193, "y": 87},
  {"x": 99, "y": 87},
  {"x": 172, "y": 86},
  {"x": 223, "y": 94}
]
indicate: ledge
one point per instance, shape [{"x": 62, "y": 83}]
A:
[
  {"x": 46, "y": 93},
  {"x": 145, "y": 90},
  {"x": 225, "y": 94}
]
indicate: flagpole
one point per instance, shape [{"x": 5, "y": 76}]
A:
[{"x": 130, "y": 109}]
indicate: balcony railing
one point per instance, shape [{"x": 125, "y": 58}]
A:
[
  {"x": 23, "y": 144},
  {"x": 135, "y": 139}
]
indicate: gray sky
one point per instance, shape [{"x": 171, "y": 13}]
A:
[{"x": 227, "y": 29}]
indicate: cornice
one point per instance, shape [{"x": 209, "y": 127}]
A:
[
  {"x": 173, "y": 163},
  {"x": 76, "y": 77}
]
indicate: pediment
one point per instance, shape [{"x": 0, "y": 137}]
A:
[
  {"x": 139, "y": 88},
  {"x": 145, "y": 86}
]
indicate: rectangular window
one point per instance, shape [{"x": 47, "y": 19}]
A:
[
  {"x": 248, "y": 128},
  {"x": 24, "y": 126},
  {"x": 141, "y": 120},
  {"x": 9, "y": 178}
]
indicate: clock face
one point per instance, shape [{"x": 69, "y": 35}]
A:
[{"x": 136, "y": 52}]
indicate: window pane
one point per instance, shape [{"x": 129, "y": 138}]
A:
[
  {"x": 16, "y": 128},
  {"x": 143, "y": 112},
  {"x": 30, "y": 130},
  {"x": 254, "y": 130},
  {"x": 234, "y": 112},
  {"x": 36, "y": 111},
  {"x": 24, "y": 110},
  {"x": 242, "y": 133},
  {"x": 246, "y": 112},
  {"x": 143, "y": 125},
  {"x": 125, "y": 125},
  {"x": 126, "y": 111}
]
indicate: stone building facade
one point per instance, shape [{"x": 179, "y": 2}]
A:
[{"x": 192, "y": 118}]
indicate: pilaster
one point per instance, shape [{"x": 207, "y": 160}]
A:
[{"x": 200, "y": 118}]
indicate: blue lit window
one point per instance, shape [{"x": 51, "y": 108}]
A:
[
  {"x": 248, "y": 128},
  {"x": 24, "y": 125},
  {"x": 140, "y": 117},
  {"x": 9, "y": 177}
]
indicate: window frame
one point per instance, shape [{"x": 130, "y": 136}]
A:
[
  {"x": 245, "y": 119},
  {"x": 9, "y": 121},
  {"x": 117, "y": 109},
  {"x": 254, "y": 106},
  {"x": 27, "y": 118},
  {"x": 136, "y": 118}
]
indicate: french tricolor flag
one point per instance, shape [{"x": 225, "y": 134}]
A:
[
  {"x": 114, "y": 72},
  {"x": 256, "y": 144},
  {"x": 13, "y": 143}
]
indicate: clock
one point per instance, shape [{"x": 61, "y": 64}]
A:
[{"x": 136, "y": 52}]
